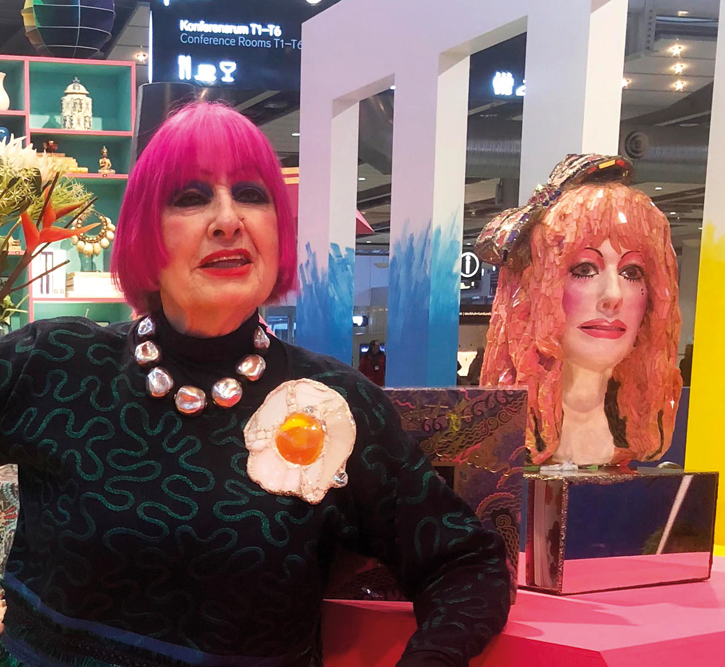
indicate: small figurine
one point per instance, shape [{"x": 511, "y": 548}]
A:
[
  {"x": 104, "y": 164},
  {"x": 50, "y": 146}
]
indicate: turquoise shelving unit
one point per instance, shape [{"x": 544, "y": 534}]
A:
[{"x": 35, "y": 87}]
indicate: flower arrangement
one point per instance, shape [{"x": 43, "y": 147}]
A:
[{"x": 34, "y": 196}]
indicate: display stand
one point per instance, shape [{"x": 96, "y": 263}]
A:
[
  {"x": 35, "y": 87},
  {"x": 667, "y": 626}
]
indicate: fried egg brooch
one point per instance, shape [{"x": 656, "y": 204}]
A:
[{"x": 299, "y": 441}]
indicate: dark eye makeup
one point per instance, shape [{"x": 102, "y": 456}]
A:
[
  {"x": 250, "y": 193},
  {"x": 199, "y": 193},
  {"x": 195, "y": 193}
]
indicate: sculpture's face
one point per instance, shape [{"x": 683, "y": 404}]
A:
[{"x": 605, "y": 300}]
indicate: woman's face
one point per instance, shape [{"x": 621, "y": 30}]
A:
[
  {"x": 605, "y": 300},
  {"x": 222, "y": 242}
]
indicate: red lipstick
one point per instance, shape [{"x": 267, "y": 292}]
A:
[
  {"x": 604, "y": 328},
  {"x": 227, "y": 263}
]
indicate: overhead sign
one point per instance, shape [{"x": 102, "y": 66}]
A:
[{"x": 245, "y": 44}]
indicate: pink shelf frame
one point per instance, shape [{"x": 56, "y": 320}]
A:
[
  {"x": 26, "y": 60},
  {"x": 97, "y": 177},
  {"x": 82, "y": 133},
  {"x": 44, "y": 131},
  {"x": 110, "y": 299}
]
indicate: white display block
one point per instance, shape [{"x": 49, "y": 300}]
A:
[{"x": 52, "y": 285}]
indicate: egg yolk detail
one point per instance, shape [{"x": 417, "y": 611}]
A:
[{"x": 300, "y": 439}]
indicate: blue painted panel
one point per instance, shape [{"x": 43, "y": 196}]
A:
[
  {"x": 325, "y": 303},
  {"x": 444, "y": 303},
  {"x": 341, "y": 277},
  {"x": 406, "y": 348}
]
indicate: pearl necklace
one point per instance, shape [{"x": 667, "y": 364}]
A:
[{"x": 191, "y": 400}]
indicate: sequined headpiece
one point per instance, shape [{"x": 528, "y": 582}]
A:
[{"x": 504, "y": 239}]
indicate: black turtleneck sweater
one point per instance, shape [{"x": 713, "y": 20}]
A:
[{"x": 141, "y": 540}]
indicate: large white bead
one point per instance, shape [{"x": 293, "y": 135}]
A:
[
  {"x": 146, "y": 327},
  {"x": 105, "y": 242},
  {"x": 226, "y": 392},
  {"x": 147, "y": 353},
  {"x": 190, "y": 400},
  {"x": 252, "y": 367},
  {"x": 261, "y": 339},
  {"x": 80, "y": 246},
  {"x": 97, "y": 248},
  {"x": 110, "y": 235},
  {"x": 159, "y": 382}
]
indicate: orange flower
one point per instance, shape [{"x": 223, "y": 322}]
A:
[{"x": 47, "y": 233}]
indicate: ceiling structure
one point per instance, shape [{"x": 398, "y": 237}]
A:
[{"x": 655, "y": 110}]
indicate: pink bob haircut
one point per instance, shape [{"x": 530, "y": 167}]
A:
[
  {"x": 219, "y": 142},
  {"x": 527, "y": 322}
]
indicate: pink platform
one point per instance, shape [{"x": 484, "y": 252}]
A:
[{"x": 678, "y": 625}]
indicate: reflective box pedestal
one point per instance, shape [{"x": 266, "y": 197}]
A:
[{"x": 617, "y": 528}]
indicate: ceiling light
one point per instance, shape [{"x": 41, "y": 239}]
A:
[
  {"x": 673, "y": 212},
  {"x": 677, "y": 50},
  {"x": 679, "y": 85},
  {"x": 368, "y": 241},
  {"x": 314, "y": 2},
  {"x": 295, "y": 134},
  {"x": 392, "y": 87},
  {"x": 658, "y": 187},
  {"x": 699, "y": 227},
  {"x": 468, "y": 243},
  {"x": 679, "y": 68},
  {"x": 141, "y": 57},
  {"x": 362, "y": 178},
  {"x": 626, "y": 82},
  {"x": 682, "y": 12}
]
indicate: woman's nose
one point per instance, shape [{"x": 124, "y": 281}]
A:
[
  {"x": 229, "y": 218},
  {"x": 610, "y": 300}
]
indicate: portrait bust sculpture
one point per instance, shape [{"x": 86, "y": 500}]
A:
[{"x": 586, "y": 315}]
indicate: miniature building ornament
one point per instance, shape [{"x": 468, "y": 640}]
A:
[{"x": 77, "y": 108}]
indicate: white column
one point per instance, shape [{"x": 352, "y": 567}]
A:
[
  {"x": 327, "y": 229},
  {"x": 427, "y": 220},
  {"x": 574, "y": 66}
]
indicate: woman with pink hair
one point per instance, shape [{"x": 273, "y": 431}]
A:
[
  {"x": 185, "y": 479},
  {"x": 586, "y": 315}
]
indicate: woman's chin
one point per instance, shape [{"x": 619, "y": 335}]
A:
[
  {"x": 597, "y": 354},
  {"x": 226, "y": 295}
]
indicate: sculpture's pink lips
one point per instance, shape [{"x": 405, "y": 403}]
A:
[{"x": 604, "y": 328}]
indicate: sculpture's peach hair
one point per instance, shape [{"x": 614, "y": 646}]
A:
[{"x": 527, "y": 322}]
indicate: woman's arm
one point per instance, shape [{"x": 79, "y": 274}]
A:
[
  {"x": 405, "y": 515},
  {"x": 15, "y": 351}
]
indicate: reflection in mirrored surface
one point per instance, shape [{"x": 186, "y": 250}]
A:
[{"x": 601, "y": 531}]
